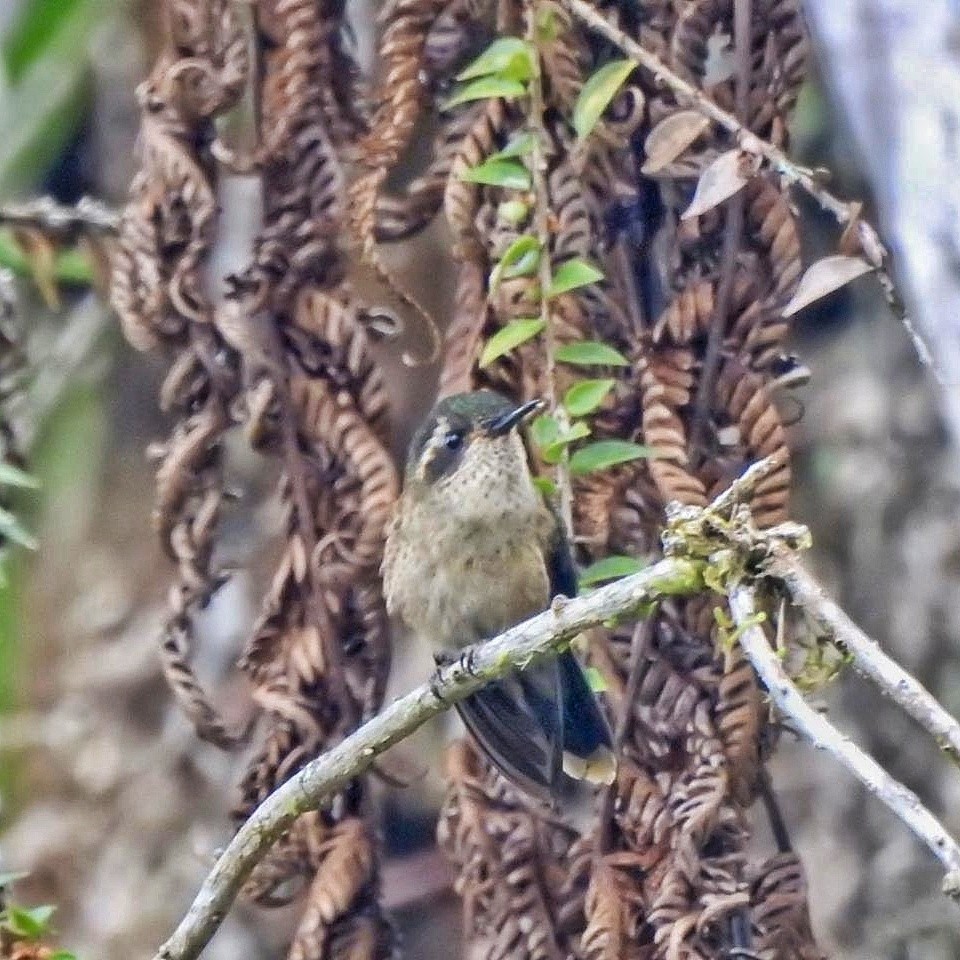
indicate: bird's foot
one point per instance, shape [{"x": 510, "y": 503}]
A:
[
  {"x": 442, "y": 659},
  {"x": 467, "y": 661}
]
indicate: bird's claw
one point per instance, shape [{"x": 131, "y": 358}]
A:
[
  {"x": 436, "y": 687},
  {"x": 442, "y": 659},
  {"x": 467, "y": 661}
]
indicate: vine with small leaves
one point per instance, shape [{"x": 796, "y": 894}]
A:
[{"x": 510, "y": 68}]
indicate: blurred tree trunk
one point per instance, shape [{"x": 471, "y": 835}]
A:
[{"x": 894, "y": 66}]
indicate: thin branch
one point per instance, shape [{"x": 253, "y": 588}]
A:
[
  {"x": 742, "y": 488},
  {"x": 638, "y": 649},
  {"x": 869, "y": 660},
  {"x": 778, "y": 826},
  {"x": 329, "y": 773},
  {"x": 816, "y": 729},
  {"x": 732, "y": 238},
  {"x": 843, "y": 212},
  {"x": 48, "y": 216}
]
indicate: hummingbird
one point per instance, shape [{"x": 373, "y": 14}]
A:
[{"x": 474, "y": 548}]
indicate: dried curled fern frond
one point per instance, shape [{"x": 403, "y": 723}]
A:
[
  {"x": 513, "y": 863},
  {"x": 158, "y": 289},
  {"x": 402, "y": 51},
  {"x": 674, "y": 879},
  {"x": 285, "y": 356}
]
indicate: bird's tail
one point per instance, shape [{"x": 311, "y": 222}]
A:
[
  {"x": 587, "y": 744},
  {"x": 542, "y": 727}
]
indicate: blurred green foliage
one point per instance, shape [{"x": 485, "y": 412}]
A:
[
  {"x": 46, "y": 97},
  {"x": 46, "y": 86}
]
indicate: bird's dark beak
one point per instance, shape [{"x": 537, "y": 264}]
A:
[{"x": 499, "y": 426}]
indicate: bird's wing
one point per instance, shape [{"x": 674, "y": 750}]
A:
[
  {"x": 517, "y": 723},
  {"x": 560, "y": 566},
  {"x": 587, "y": 744}
]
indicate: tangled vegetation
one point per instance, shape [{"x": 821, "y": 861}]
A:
[{"x": 624, "y": 245}]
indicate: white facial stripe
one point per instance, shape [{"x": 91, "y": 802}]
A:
[
  {"x": 439, "y": 432},
  {"x": 433, "y": 444}
]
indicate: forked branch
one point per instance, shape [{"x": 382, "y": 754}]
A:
[
  {"x": 625, "y": 599},
  {"x": 817, "y": 729},
  {"x": 868, "y": 658}
]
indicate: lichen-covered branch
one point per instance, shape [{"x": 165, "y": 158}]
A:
[
  {"x": 329, "y": 773},
  {"x": 695, "y": 540},
  {"x": 817, "y": 729}
]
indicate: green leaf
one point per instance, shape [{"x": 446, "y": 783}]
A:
[
  {"x": 11, "y": 529},
  {"x": 509, "y": 337},
  {"x": 35, "y": 30},
  {"x": 11, "y": 476},
  {"x": 606, "y": 453},
  {"x": 571, "y": 275},
  {"x": 610, "y": 568},
  {"x": 508, "y": 57},
  {"x": 553, "y": 451},
  {"x": 47, "y": 55},
  {"x": 544, "y": 430},
  {"x": 487, "y": 87},
  {"x": 63, "y": 955},
  {"x": 513, "y": 212},
  {"x": 595, "y": 680},
  {"x": 584, "y": 397},
  {"x": 12, "y": 876},
  {"x": 587, "y": 353},
  {"x": 596, "y": 94},
  {"x": 520, "y": 259},
  {"x": 546, "y": 486},
  {"x": 499, "y": 173},
  {"x": 29, "y": 924},
  {"x": 518, "y": 146}
]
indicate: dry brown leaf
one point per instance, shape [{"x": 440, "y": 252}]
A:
[
  {"x": 41, "y": 255},
  {"x": 724, "y": 177},
  {"x": 349, "y": 864},
  {"x": 823, "y": 277},
  {"x": 670, "y": 137}
]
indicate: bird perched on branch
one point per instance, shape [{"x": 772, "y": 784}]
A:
[{"x": 474, "y": 549}]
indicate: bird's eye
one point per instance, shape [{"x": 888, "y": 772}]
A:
[{"x": 453, "y": 440}]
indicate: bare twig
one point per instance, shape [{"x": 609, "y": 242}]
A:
[
  {"x": 742, "y": 488},
  {"x": 843, "y": 212},
  {"x": 641, "y": 640},
  {"x": 818, "y": 730},
  {"x": 329, "y": 773},
  {"x": 869, "y": 660},
  {"x": 732, "y": 238},
  {"x": 48, "y": 216}
]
